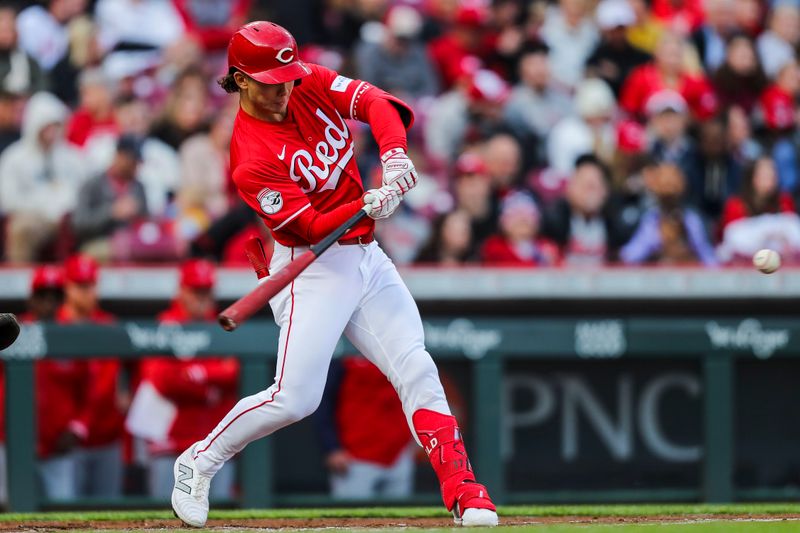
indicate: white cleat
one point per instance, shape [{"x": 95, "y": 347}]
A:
[
  {"x": 190, "y": 493},
  {"x": 475, "y": 518}
]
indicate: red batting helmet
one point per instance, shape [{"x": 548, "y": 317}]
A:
[{"x": 266, "y": 52}]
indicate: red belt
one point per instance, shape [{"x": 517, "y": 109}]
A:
[{"x": 362, "y": 240}]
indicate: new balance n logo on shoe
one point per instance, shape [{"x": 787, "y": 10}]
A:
[{"x": 186, "y": 474}]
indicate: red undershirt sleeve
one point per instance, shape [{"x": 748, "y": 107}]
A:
[{"x": 386, "y": 124}]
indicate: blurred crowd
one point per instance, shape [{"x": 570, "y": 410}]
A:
[{"x": 561, "y": 132}]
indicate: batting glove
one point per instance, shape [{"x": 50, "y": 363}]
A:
[
  {"x": 398, "y": 170},
  {"x": 383, "y": 201}
]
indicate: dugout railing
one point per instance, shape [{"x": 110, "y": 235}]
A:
[{"x": 490, "y": 347}]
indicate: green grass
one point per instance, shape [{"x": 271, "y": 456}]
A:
[{"x": 424, "y": 512}]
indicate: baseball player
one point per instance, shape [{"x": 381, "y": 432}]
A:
[{"x": 292, "y": 162}]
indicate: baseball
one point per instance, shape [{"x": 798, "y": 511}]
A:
[{"x": 767, "y": 261}]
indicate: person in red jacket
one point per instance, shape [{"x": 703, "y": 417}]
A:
[
  {"x": 47, "y": 289},
  {"x": 518, "y": 243},
  {"x": 667, "y": 71},
  {"x": 358, "y": 403},
  {"x": 197, "y": 393},
  {"x": 99, "y": 424}
]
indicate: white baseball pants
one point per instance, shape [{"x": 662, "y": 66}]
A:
[{"x": 350, "y": 289}]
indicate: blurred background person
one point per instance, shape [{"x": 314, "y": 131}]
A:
[
  {"x": 396, "y": 60},
  {"x": 581, "y": 223},
  {"x": 197, "y": 391},
  {"x": 110, "y": 202},
  {"x": 450, "y": 242},
  {"x": 43, "y": 30},
  {"x": 780, "y": 41},
  {"x": 719, "y": 23},
  {"x": 19, "y": 72},
  {"x": 99, "y": 458},
  {"x": 615, "y": 57},
  {"x": 359, "y": 402},
  {"x": 670, "y": 232},
  {"x": 94, "y": 115},
  {"x": 473, "y": 194},
  {"x": 40, "y": 176},
  {"x": 739, "y": 80},
  {"x": 571, "y": 36},
  {"x": 668, "y": 131},
  {"x": 778, "y": 108},
  {"x": 519, "y": 242}
]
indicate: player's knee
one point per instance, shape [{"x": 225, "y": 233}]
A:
[{"x": 299, "y": 406}]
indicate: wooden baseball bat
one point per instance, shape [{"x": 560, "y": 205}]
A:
[{"x": 246, "y": 306}]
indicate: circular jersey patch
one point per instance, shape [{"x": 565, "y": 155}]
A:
[{"x": 271, "y": 201}]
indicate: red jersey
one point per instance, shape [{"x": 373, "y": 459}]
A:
[
  {"x": 736, "y": 209},
  {"x": 202, "y": 390},
  {"x": 292, "y": 171},
  {"x": 646, "y": 80},
  {"x": 500, "y": 252},
  {"x": 777, "y": 106}
]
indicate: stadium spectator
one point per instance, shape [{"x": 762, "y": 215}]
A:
[
  {"x": 780, "y": 41},
  {"x": 212, "y": 22},
  {"x": 571, "y": 36},
  {"x": 668, "y": 129},
  {"x": 743, "y": 146},
  {"x": 397, "y": 60},
  {"x": 468, "y": 113},
  {"x": 135, "y": 35},
  {"x": 181, "y": 400},
  {"x": 502, "y": 156},
  {"x": 40, "y": 176},
  {"x": 671, "y": 232},
  {"x": 668, "y": 71},
  {"x": 592, "y": 130},
  {"x": 95, "y": 113},
  {"x": 44, "y": 32},
  {"x": 739, "y": 80},
  {"x": 357, "y": 403},
  {"x": 716, "y": 174},
  {"x": 718, "y": 25},
  {"x": 762, "y": 216},
  {"x": 203, "y": 193},
  {"x": 472, "y": 191},
  {"x": 614, "y": 56},
  {"x": 536, "y": 104},
  {"x": 778, "y": 107},
  {"x": 11, "y": 108},
  {"x": 186, "y": 111},
  {"x": 646, "y": 31},
  {"x": 19, "y": 73},
  {"x": 460, "y": 49},
  {"x": 450, "y": 242},
  {"x": 680, "y": 16},
  {"x": 110, "y": 202},
  {"x": 519, "y": 242},
  {"x": 99, "y": 426},
  {"x": 581, "y": 223}
]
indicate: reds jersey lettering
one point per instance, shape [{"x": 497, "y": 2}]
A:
[{"x": 309, "y": 175}]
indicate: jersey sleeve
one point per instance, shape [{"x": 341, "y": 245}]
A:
[
  {"x": 353, "y": 98},
  {"x": 278, "y": 199}
]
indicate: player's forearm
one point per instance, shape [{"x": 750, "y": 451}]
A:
[
  {"x": 314, "y": 226},
  {"x": 386, "y": 124}
]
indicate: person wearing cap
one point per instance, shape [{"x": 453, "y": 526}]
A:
[
  {"x": 98, "y": 427},
  {"x": 468, "y": 113},
  {"x": 40, "y": 176},
  {"x": 536, "y": 104},
  {"x": 199, "y": 391},
  {"x": 455, "y": 52},
  {"x": 47, "y": 290},
  {"x": 110, "y": 201},
  {"x": 668, "y": 122},
  {"x": 519, "y": 242},
  {"x": 473, "y": 194},
  {"x": 614, "y": 56},
  {"x": 395, "y": 58},
  {"x": 668, "y": 70}
]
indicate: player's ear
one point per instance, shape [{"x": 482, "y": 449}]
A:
[{"x": 241, "y": 80}]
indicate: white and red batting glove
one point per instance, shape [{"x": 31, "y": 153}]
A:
[
  {"x": 383, "y": 201},
  {"x": 398, "y": 170}
]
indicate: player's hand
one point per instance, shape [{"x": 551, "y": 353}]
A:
[
  {"x": 66, "y": 442},
  {"x": 398, "y": 170},
  {"x": 384, "y": 201},
  {"x": 338, "y": 461}
]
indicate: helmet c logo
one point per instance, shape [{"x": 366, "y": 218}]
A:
[{"x": 280, "y": 56}]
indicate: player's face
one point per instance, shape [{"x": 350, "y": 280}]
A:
[
  {"x": 269, "y": 99},
  {"x": 82, "y": 297}
]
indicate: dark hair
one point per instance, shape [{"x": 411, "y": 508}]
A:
[
  {"x": 771, "y": 204},
  {"x": 431, "y": 251},
  {"x": 228, "y": 83},
  {"x": 591, "y": 159}
]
